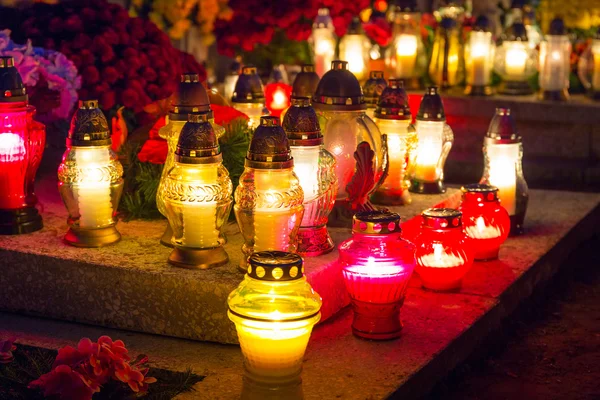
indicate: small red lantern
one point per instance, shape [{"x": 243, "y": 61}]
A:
[
  {"x": 444, "y": 253},
  {"x": 377, "y": 265},
  {"x": 22, "y": 143},
  {"x": 277, "y": 97},
  {"x": 485, "y": 221}
]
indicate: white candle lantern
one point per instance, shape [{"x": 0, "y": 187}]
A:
[
  {"x": 503, "y": 154},
  {"x": 515, "y": 61},
  {"x": 372, "y": 89},
  {"x": 588, "y": 68},
  {"x": 323, "y": 41},
  {"x": 555, "y": 63},
  {"x": 435, "y": 139},
  {"x": 354, "y": 48},
  {"x": 479, "y": 59},
  {"x": 249, "y": 96}
]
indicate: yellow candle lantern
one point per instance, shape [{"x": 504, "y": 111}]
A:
[
  {"x": 323, "y": 41},
  {"x": 315, "y": 168},
  {"x": 197, "y": 194},
  {"x": 274, "y": 310},
  {"x": 90, "y": 179},
  {"x": 354, "y": 48},
  {"x": 406, "y": 58},
  {"x": 394, "y": 120},
  {"x": 435, "y": 139},
  {"x": 515, "y": 61},
  {"x": 588, "y": 68},
  {"x": 268, "y": 201},
  {"x": 479, "y": 59},
  {"x": 555, "y": 63},
  {"x": 249, "y": 95},
  {"x": 503, "y": 154},
  {"x": 372, "y": 89},
  {"x": 446, "y": 66}
]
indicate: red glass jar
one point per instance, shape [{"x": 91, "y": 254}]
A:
[
  {"x": 444, "y": 253},
  {"x": 377, "y": 265},
  {"x": 22, "y": 142},
  {"x": 485, "y": 221}
]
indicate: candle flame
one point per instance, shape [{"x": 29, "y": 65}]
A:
[{"x": 480, "y": 224}]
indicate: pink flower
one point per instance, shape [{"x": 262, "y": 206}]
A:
[
  {"x": 135, "y": 378},
  {"x": 6, "y": 349},
  {"x": 66, "y": 384}
]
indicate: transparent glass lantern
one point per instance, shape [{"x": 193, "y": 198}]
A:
[
  {"x": 446, "y": 66},
  {"x": 249, "y": 96},
  {"x": 435, "y": 138},
  {"x": 588, "y": 68},
  {"x": 354, "y": 48},
  {"x": 555, "y": 63},
  {"x": 323, "y": 41},
  {"x": 406, "y": 57},
  {"x": 377, "y": 265},
  {"x": 503, "y": 155},
  {"x": 90, "y": 179},
  {"x": 274, "y": 310},
  {"x": 197, "y": 195},
  {"x": 268, "y": 201},
  {"x": 315, "y": 168},
  {"x": 515, "y": 61},
  {"x": 22, "y": 141},
  {"x": 394, "y": 120},
  {"x": 479, "y": 59},
  {"x": 372, "y": 89}
]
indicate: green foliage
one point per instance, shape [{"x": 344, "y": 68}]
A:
[
  {"x": 234, "y": 146},
  {"x": 280, "y": 50}
]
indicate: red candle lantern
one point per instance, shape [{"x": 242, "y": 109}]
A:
[
  {"x": 277, "y": 97},
  {"x": 22, "y": 143},
  {"x": 444, "y": 253},
  {"x": 377, "y": 264},
  {"x": 485, "y": 221}
]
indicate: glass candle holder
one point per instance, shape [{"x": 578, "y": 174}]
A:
[
  {"x": 249, "y": 96},
  {"x": 446, "y": 67},
  {"x": 22, "y": 142},
  {"x": 197, "y": 194},
  {"x": 352, "y": 137},
  {"x": 503, "y": 168},
  {"x": 315, "y": 168},
  {"x": 393, "y": 118},
  {"x": 444, "y": 253},
  {"x": 485, "y": 221},
  {"x": 323, "y": 41},
  {"x": 90, "y": 179},
  {"x": 515, "y": 61},
  {"x": 435, "y": 140},
  {"x": 555, "y": 63},
  {"x": 268, "y": 201},
  {"x": 479, "y": 59},
  {"x": 372, "y": 89},
  {"x": 588, "y": 68},
  {"x": 377, "y": 265},
  {"x": 354, "y": 48},
  {"x": 274, "y": 310}
]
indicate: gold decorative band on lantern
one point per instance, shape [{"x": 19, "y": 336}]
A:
[
  {"x": 376, "y": 222},
  {"x": 190, "y": 77},
  {"x": 275, "y": 266},
  {"x": 7, "y": 61},
  {"x": 308, "y": 68},
  {"x": 88, "y": 104},
  {"x": 441, "y": 218},
  {"x": 249, "y": 70},
  {"x": 481, "y": 192}
]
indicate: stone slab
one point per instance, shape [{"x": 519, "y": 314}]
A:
[
  {"x": 130, "y": 285},
  {"x": 440, "y": 329}
]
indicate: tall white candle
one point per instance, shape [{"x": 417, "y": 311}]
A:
[
  {"x": 93, "y": 192},
  {"x": 503, "y": 159}
]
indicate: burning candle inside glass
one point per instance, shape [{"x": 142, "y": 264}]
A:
[
  {"x": 479, "y": 58},
  {"x": 515, "y": 61},
  {"x": 555, "y": 62},
  {"x": 354, "y": 48},
  {"x": 323, "y": 41}
]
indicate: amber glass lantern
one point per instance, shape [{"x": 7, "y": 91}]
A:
[
  {"x": 268, "y": 201},
  {"x": 435, "y": 140},
  {"x": 315, "y": 168},
  {"x": 372, "y": 89},
  {"x": 588, "y": 68},
  {"x": 274, "y": 310},
  {"x": 352, "y": 137},
  {"x": 479, "y": 59},
  {"x": 90, "y": 179},
  {"x": 22, "y": 142},
  {"x": 323, "y": 41},
  {"x": 354, "y": 48},
  {"x": 503, "y": 155},
  {"x": 406, "y": 57},
  {"x": 555, "y": 63},
  {"x": 197, "y": 194},
  {"x": 249, "y": 95},
  {"x": 395, "y": 122},
  {"x": 446, "y": 67},
  {"x": 515, "y": 61}
]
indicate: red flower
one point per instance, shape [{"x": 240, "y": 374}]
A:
[
  {"x": 90, "y": 74},
  {"x": 379, "y": 31},
  {"x": 129, "y": 97},
  {"x": 66, "y": 384},
  {"x": 225, "y": 114},
  {"x": 74, "y": 357},
  {"x": 154, "y": 151},
  {"x": 135, "y": 378},
  {"x": 110, "y": 75},
  {"x": 153, "y": 134},
  {"x": 6, "y": 349}
]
